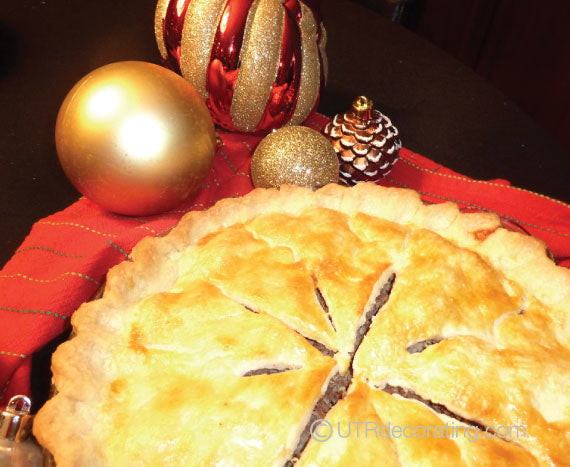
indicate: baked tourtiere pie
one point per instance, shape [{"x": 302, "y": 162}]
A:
[{"x": 419, "y": 334}]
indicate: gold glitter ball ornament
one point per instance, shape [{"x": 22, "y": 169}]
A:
[
  {"x": 294, "y": 155},
  {"x": 135, "y": 138}
]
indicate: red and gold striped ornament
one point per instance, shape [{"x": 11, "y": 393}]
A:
[{"x": 259, "y": 64}]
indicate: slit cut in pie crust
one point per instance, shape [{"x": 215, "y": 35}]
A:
[
  {"x": 185, "y": 360},
  {"x": 338, "y": 385}
]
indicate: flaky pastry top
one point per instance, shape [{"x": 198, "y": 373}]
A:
[{"x": 215, "y": 344}]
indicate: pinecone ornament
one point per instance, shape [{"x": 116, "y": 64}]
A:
[{"x": 365, "y": 141}]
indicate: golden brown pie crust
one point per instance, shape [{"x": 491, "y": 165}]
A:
[{"x": 475, "y": 333}]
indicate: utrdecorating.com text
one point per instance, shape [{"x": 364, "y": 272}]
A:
[{"x": 323, "y": 430}]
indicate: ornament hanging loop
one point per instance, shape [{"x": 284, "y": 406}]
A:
[
  {"x": 15, "y": 421},
  {"x": 362, "y": 107},
  {"x": 20, "y": 405}
]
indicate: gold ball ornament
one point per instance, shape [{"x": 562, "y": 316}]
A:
[
  {"x": 135, "y": 138},
  {"x": 294, "y": 155}
]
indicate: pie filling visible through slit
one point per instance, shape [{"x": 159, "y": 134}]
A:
[{"x": 354, "y": 310}]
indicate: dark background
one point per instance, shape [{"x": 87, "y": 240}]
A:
[
  {"x": 453, "y": 76},
  {"x": 522, "y": 47}
]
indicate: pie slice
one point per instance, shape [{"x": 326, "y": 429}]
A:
[
  {"x": 275, "y": 283},
  {"x": 230, "y": 340},
  {"x": 346, "y": 271},
  {"x": 169, "y": 386},
  {"x": 369, "y": 425},
  {"x": 473, "y": 344}
]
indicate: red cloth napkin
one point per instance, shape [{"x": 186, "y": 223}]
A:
[{"x": 64, "y": 260}]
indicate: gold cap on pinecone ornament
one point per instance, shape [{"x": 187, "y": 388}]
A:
[{"x": 365, "y": 141}]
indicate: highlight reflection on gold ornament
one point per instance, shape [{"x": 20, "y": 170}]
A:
[
  {"x": 135, "y": 138},
  {"x": 294, "y": 155}
]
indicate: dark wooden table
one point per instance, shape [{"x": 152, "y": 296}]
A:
[{"x": 443, "y": 110}]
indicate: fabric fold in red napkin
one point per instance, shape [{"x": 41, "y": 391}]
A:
[{"x": 64, "y": 260}]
